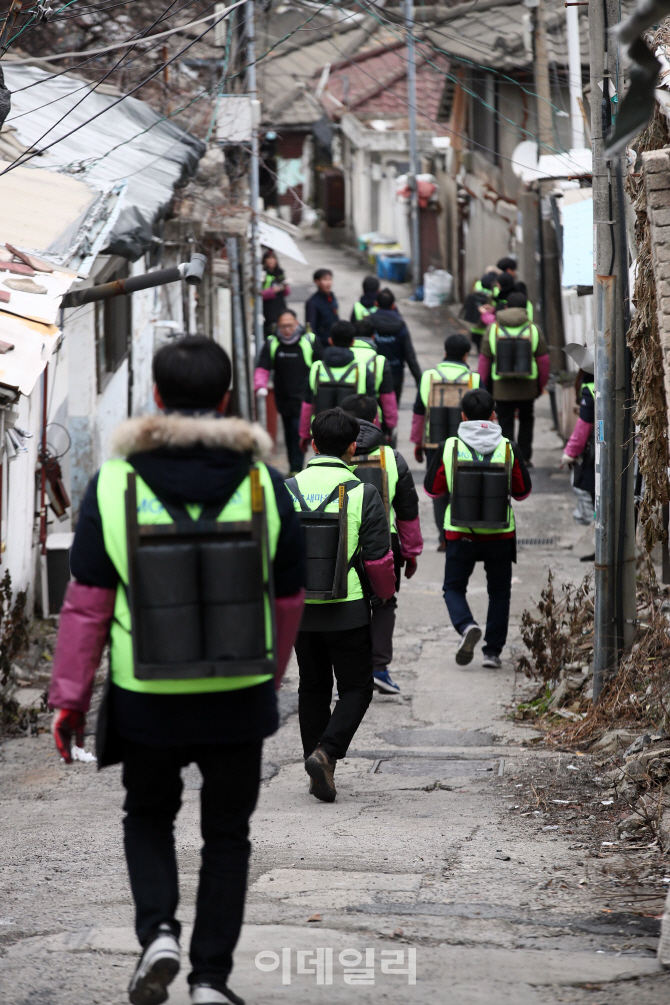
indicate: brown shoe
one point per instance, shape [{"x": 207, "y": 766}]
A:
[{"x": 321, "y": 769}]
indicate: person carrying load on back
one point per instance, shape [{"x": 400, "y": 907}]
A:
[
  {"x": 515, "y": 358},
  {"x": 275, "y": 291},
  {"x": 477, "y": 471},
  {"x": 367, "y": 304},
  {"x": 349, "y": 558},
  {"x": 288, "y": 356},
  {"x": 387, "y": 470},
  {"x": 394, "y": 340},
  {"x": 478, "y": 303},
  {"x": 342, "y": 371},
  {"x": 189, "y": 553},
  {"x": 437, "y": 409}
]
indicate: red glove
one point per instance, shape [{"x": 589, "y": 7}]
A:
[
  {"x": 67, "y": 721},
  {"x": 410, "y": 567},
  {"x": 304, "y": 444},
  {"x": 418, "y": 453}
]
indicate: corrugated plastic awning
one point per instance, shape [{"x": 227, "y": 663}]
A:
[{"x": 32, "y": 345}]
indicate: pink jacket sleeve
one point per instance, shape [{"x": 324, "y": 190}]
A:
[
  {"x": 389, "y": 404},
  {"x": 261, "y": 378},
  {"x": 381, "y": 573},
  {"x": 304, "y": 429},
  {"x": 484, "y": 368},
  {"x": 543, "y": 368},
  {"x": 418, "y": 422},
  {"x": 288, "y": 612},
  {"x": 580, "y": 435},
  {"x": 411, "y": 539},
  {"x": 82, "y": 632}
]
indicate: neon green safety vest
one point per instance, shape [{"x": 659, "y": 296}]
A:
[
  {"x": 316, "y": 482},
  {"x": 363, "y": 352},
  {"x": 464, "y": 454},
  {"x": 112, "y": 483},
  {"x": 357, "y": 378},
  {"x": 529, "y": 310},
  {"x": 515, "y": 333},
  {"x": 391, "y": 467},
  {"x": 589, "y": 386},
  {"x": 456, "y": 373},
  {"x": 306, "y": 343},
  {"x": 361, "y": 312}
]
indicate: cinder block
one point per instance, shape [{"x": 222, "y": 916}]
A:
[
  {"x": 663, "y": 288},
  {"x": 656, "y": 181},
  {"x": 655, "y": 161},
  {"x": 661, "y": 253},
  {"x": 658, "y": 199},
  {"x": 660, "y": 217},
  {"x": 664, "y": 304}
]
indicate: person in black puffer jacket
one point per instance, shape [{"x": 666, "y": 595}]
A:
[{"x": 394, "y": 341}]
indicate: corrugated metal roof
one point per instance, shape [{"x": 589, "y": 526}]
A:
[{"x": 127, "y": 142}]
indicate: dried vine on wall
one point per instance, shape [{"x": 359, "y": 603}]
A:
[{"x": 643, "y": 339}]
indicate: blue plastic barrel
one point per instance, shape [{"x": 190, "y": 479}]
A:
[{"x": 397, "y": 269}]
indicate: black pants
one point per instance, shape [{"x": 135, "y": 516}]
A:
[
  {"x": 439, "y": 504},
  {"x": 497, "y": 558},
  {"x": 382, "y": 626},
  {"x": 505, "y": 411},
  {"x": 398, "y": 379},
  {"x": 349, "y": 654},
  {"x": 230, "y": 781},
  {"x": 296, "y": 458}
]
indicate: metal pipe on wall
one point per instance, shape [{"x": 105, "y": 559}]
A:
[
  {"x": 254, "y": 181},
  {"x": 417, "y": 278},
  {"x": 239, "y": 341}
]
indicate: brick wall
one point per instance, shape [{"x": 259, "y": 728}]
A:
[{"x": 656, "y": 169}]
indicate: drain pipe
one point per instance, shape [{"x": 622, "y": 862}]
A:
[{"x": 192, "y": 272}]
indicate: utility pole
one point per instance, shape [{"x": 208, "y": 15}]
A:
[
  {"x": 254, "y": 189},
  {"x": 549, "y": 278},
  {"x": 415, "y": 237},
  {"x": 575, "y": 77},
  {"x": 614, "y": 618}
]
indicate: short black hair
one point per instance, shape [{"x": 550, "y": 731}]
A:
[
  {"x": 370, "y": 284},
  {"x": 477, "y": 404},
  {"x": 506, "y": 263},
  {"x": 362, "y": 406},
  {"x": 365, "y": 327},
  {"x": 333, "y": 430},
  {"x": 489, "y": 279},
  {"x": 520, "y": 287},
  {"x": 385, "y": 299},
  {"x": 506, "y": 284},
  {"x": 517, "y": 299},
  {"x": 287, "y": 310},
  {"x": 192, "y": 372},
  {"x": 343, "y": 333},
  {"x": 320, "y": 273},
  {"x": 457, "y": 345}
]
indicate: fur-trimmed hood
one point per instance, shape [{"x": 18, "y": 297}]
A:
[{"x": 182, "y": 432}]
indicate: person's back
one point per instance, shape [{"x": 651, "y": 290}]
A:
[
  {"x": 477, "y": 472},
  {"x": 193, "y": 662},
  {"x": 393, "y": 340},
  {"x": 348, "y": 547},
  {"x": 366, "y": 304},
  {"x": 388, "y": 471}
]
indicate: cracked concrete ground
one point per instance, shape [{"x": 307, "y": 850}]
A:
[{"x": 421, "y": 852}]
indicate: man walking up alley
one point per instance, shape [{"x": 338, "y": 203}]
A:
[
  {"x": 479, "y": 445},
  {"x": 163, "y": 715},
  {"x": 335, "y": 632}
]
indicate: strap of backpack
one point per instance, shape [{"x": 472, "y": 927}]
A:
[
  {"x": 209, "y": 511},
  {"x": 292, "y": 486},
  {"x": 502, "y": 328},
  {"x": 335, "y": 493},
  {"x": 486, "y": 458}
]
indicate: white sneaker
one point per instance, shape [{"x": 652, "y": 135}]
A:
[
  {"x": 492, "y": 661},
  {"x": 158, "y": 967},
  {"x": 466, "y": 649},
  {"x": 205, "y": 994}
]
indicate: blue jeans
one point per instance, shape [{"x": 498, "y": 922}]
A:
[{"x": 497, "y": 557}]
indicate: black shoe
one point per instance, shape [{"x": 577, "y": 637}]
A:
[
  {"x": 321, "y": 769},
  {"x": 588, "y": 558},
  {"x": 158, "y": 967}
]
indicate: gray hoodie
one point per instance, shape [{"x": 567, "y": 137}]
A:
[{"x": 480, "y": 434}]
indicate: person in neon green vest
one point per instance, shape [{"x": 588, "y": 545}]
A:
[
  {"x": 479, "y": 443},
  {"x": 515, "y": 394},
  {"x": 335, "y": 633},
  {"x": 184, "y": 462},
  {"x": 367, "y": 304},
  {"x": 454, "y": 367},
  {"x": 406, "y": 539}
]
